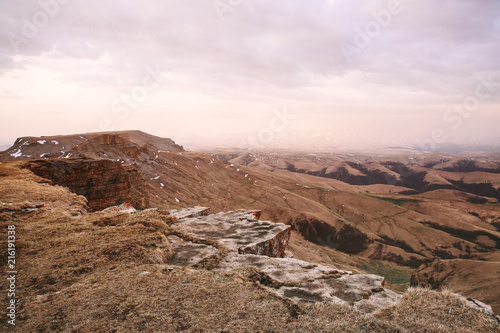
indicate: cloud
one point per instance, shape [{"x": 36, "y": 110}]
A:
[{"x": 429, "y": 52}]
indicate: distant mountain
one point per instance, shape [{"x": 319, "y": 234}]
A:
[{"x": 124, "y": 144}]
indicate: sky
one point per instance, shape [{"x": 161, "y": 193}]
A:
[{"x": 254, "y": 73}]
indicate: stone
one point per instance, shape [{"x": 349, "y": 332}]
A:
[
  {"x": 188, "y": 253},
  {"x": 238, "y": 231},
  {"x": 124, "y": 208},
  {"x": 478, "y": 305},
  {"x": 190, "y": 212},
  {"x": 259, "y": 253},
  {"x": 302, "y": 281}
]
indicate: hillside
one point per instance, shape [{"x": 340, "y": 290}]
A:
[
  {"x": 369, "y": 228},
  {"x": 81, "y": 272},
  {"x": 474, "y": 278}
]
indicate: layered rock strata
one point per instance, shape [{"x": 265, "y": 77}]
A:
[{"x": 104, "y": 183}]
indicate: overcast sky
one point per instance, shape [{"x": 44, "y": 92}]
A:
[{"x": 311, "y": 73}]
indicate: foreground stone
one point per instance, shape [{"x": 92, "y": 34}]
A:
[
  {"x": 258, "y": 248},
  {"x": 257, "y": 245},
  {"x": 302, "y": 281},
  {"x": 190, "y": 212},
  {"x": 239, "y": 231},
  {"x": 188, "y": 253}
]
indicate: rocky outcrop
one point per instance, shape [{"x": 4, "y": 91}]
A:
[
  {"x": 238, "y": 231},
  {"x": 104, "y": 183},
  {"x": 256, "y": 250}
]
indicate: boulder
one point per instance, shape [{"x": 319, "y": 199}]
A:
[
  {"x": 104, "y": 183},
  {"x": 302, "y": 281}
]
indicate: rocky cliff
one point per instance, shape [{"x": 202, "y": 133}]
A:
[{"x": 103, "y": 182}]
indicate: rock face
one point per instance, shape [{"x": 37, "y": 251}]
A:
[
  {"x": 238, "y": 231},
  {"x": 256, "y": 249},
  {"x": 111, "y": 144},
  {"x": 104, "y": 183}
]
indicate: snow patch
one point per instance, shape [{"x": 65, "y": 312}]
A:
[
  {"x": 17, "y": 153},
  {"x": 156, "y": 177},
  {"x": 176, "y": 199},
  {"x": 42, "y": 141},
  {"x": 55, "y": 142}
]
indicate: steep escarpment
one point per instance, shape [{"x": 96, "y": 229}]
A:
[{"x": 103, "y": 182}]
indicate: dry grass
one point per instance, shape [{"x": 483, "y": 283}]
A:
[
  {"x": 436, "y": 311},
  {"x": 97, "y": 272}
]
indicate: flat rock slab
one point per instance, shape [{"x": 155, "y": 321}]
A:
[
  {"x": 302, "y": 281},
  {"x": 239, "y": 231},
  {"x": 188, "y": 253},
  {"x": 190, "y": 212},
  {"x": 285, "y": 270}
]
